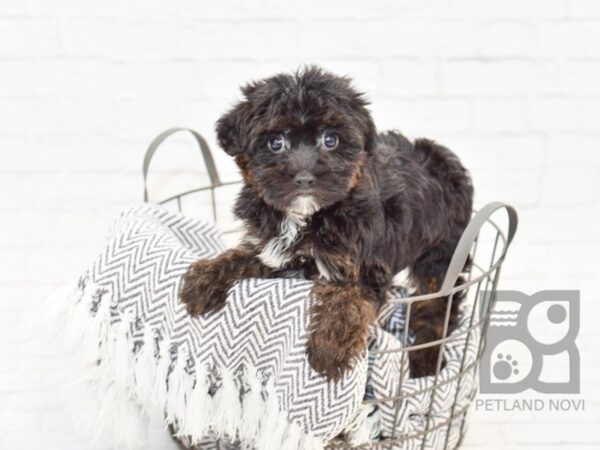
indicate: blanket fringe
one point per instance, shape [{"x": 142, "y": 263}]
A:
[
  {"x": 159, "y": 392},
  {"x": 123, "y": 352},
  {"x": 131, "y": 379},
  {"x": 292, "y": 438},
  {"x": 198, "y": 411},
  {"x": 227, "y": 408},
  {"x": 145, "y": 364},
  {"x": 99, "y": 325},
  {"x": 253, "y": 408},
  {"x": 360, "y": 430},
  {"x": 179, "y": 386}
]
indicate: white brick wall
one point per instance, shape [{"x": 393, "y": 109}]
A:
[{"x": 512, "y": 86}]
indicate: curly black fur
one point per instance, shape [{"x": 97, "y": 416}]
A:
[{"x": 355, "y": 213}]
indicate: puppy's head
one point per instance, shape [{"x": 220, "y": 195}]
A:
[{"x": 300, "y": 139}]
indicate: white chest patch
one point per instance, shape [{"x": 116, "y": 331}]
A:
[
  {"x": 277, "y": 253},
  {"x": 302, "y": 208}
]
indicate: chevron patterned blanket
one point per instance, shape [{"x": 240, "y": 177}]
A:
[{"x": 239, "y": 376}]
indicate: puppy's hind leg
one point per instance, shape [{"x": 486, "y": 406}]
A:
[{"x": 427, "y": 317}]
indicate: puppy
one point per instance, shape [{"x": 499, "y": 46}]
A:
[{"x": 327, "y": 195}]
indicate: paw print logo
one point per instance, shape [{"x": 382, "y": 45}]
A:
[
  {"x": 505, "y": 367},
  {"x": 509, "y": 362},
  {"x": 526, "y": 331}
]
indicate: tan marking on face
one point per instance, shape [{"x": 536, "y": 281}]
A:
[
  {"x": 358, "y": 172},
  {"x": 243, "y": 162}
]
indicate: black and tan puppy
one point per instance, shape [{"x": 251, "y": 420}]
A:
[{"x": 326, "y": 194}]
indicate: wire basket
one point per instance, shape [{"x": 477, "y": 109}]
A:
[{"x": 485, "y": 242}]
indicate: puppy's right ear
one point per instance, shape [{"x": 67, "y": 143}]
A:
[
  {"x": 230, "y": 128},
  {"x": 234, "y": 125}
]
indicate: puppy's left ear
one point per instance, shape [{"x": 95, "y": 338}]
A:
[
  {"x": 370, "y": 135},
  {"x": 365, "y": 121},
  {"x": 234, "y": 126},
  {"x": 230, "y": 128}
]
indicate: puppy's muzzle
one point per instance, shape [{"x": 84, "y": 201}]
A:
[{"x": 304, "y": 180}]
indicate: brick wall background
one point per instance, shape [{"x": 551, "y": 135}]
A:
[{"x": 512, "y": 86}]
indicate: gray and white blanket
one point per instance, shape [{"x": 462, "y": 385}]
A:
[{"x": 240, "y": 375}]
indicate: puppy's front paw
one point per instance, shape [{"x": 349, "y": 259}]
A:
[
  {"x": 330, "y": 358},
  {"x": 339, "y": 323},
  {"x": 205, "y": 287}
]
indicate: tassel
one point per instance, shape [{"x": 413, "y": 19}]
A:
[
  {"x": 107, "y": 338},
  {"x": 309, "y": 442},
  {"x": 199, "y": 408},
  {"x": 123, "y": 351},
  {"x": 278, "y": 433},
  {"x": 77, "y": 316},
  {"x": 228, "y": 410},
  {"x": 118, "y": 417},
  {"x": 105, "y": 354},
  {"x": 106, "y": 413},
  {"x": 97, "y": 329},
  {"x": 145, "y": 367},
  {"x": 130, "y": 423},
  {"x": 253, "y": 406},
  {"x": 162, "y": 371},
  {"x": 179, "y": 386},
  {"x": 86, "y": 407},
  {"x": 272, "y": 415},
  {"x": 105, "y": 331},
  {"x": 360, "y": 430},
  {"x": 291, "y": 438},
  {"x": 56, "y": 307}
]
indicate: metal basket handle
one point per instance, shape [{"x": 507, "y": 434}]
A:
[
  {"x": 463, "y": 249},
  {"x": 213, "y": 175}
]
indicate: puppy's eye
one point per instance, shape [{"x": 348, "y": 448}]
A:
[
  {"x": 330, "y": 141},
  {"x": 277, "y": 143}
]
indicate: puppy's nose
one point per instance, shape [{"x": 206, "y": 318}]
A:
[{"x": 304, "y": 179}]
